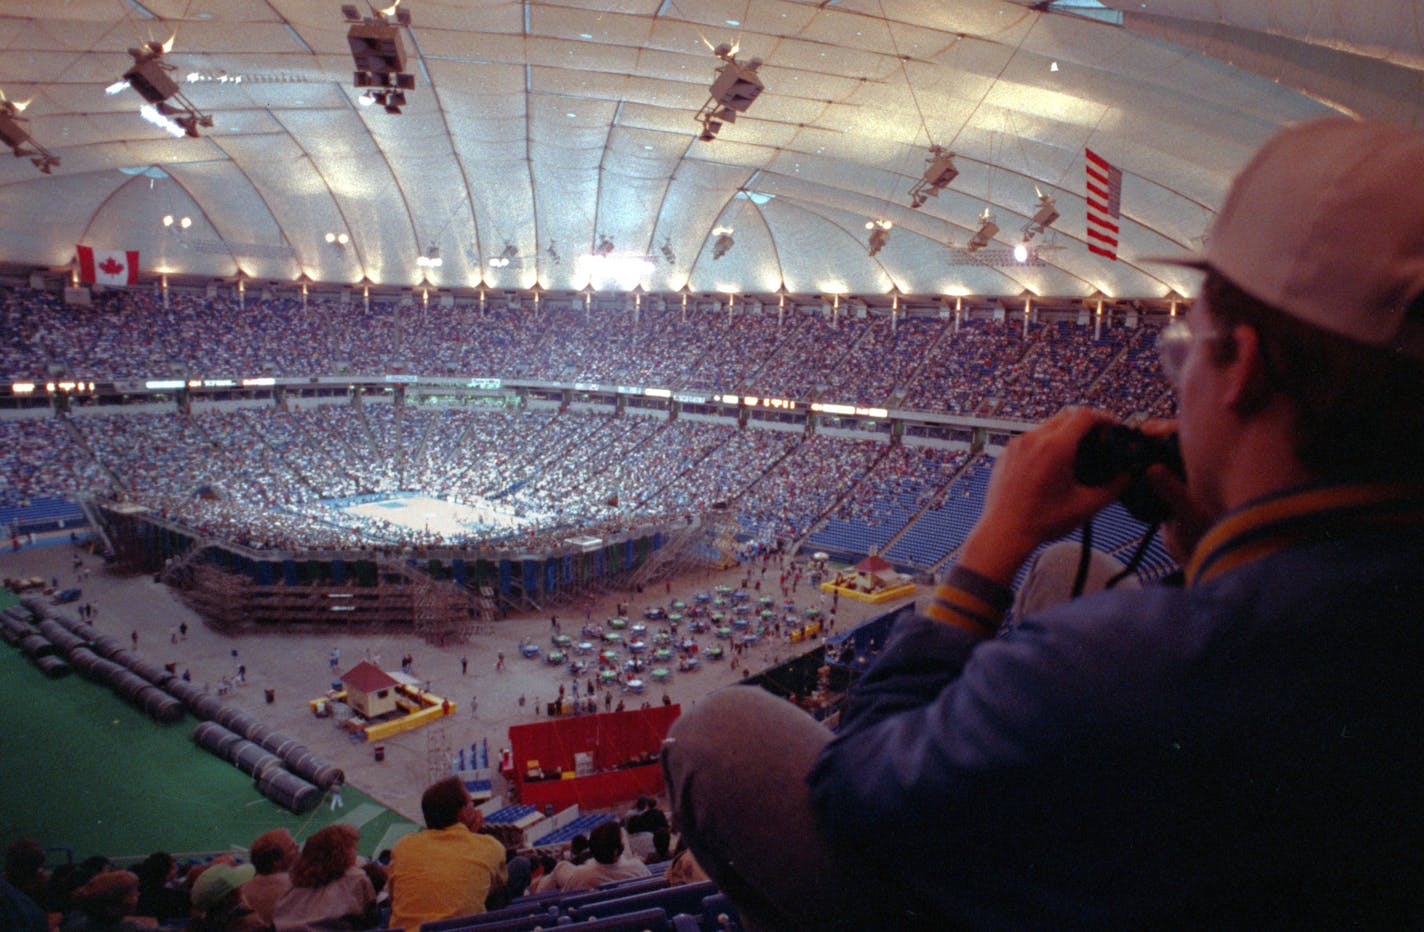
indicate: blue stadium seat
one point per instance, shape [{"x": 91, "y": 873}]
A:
[
  {"x": 533, "y": 912},
  {"x": 685, "y": 898},
  {"x": 643, "y": 920},
  {"x": 719, "y": 914},
  {"x": 612, "y": 891}
]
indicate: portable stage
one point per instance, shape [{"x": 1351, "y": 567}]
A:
[{"x": 593, "y": 761}]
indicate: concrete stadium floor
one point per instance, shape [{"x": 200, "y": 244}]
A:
[{"x": 296, "y": 665}]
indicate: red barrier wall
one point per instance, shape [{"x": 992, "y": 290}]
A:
[{"x": 624, "y": 746}]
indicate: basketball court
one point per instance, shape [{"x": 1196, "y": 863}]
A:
[{"x": 419, "y": 512}]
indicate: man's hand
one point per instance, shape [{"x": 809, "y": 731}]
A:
[
  {"x": 1189, "y": 520},
  {"x": 1033, "y": 497},
  {"x": 472, "y": 817}
]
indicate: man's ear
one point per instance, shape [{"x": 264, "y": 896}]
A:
[{"x": 1243, "y": 363}]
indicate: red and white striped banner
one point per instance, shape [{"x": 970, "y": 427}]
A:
[{"x": 1104, "y": 204}]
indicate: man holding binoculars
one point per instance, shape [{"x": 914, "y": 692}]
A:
[{"x": 1244, "y": 750}]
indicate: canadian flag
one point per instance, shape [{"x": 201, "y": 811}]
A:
[{"x": 107, "y": 266}]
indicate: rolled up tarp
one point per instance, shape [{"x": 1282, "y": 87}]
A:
[
  {"x": 14, "y": 631},
  {"x": 309, "y": 766},
  {"x": 139, "y": 666},
  {"x": 60, "y": 636},
  {"x": 207, "y": 706},
  {"x": 233, "y": 718},
  {"x": 36, "y": 645},
  {"x": 106, "y": 647},
  {"x": 52, "y": 666},
  {"x": 83, "y": 629},
  {"x": 210, "y": 736},
  {"x": 159, "y": 705},
  {"x": 188, "y": 692},
  {"x": 84, "y": 660},
  {"x": 258, "y": 733},
  {"x": 288, "y": 790},
  {"x": 252, "y": 759},
  {"x": 128, "y": 685}
]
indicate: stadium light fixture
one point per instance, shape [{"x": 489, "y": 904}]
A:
[
  {"x": 937, "y": 176},
  {"x": 724, "y": 242},
  {"x": 166, "y": 106},
  {"x": 987, "y": 229},
  {"x": 17, "y": 138},
  {"x": 504, "y": 258},
  {"x": 1042, "y": 219},
  {"x": 879, "y": 234},
  {"x": 732, "y": 91},
  {"x": 379, "y": 55}
]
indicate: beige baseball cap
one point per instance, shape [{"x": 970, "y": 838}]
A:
[
  {"x": 1326, "y": 223},
  {"x": 215, "y": 883}
]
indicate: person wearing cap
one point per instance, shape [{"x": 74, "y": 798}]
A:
[
  {"x": 1239, "y": 751},
  {"x": 217, "y": 900}
]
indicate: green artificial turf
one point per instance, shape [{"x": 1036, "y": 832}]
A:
[{"x": 83, "y": 769}]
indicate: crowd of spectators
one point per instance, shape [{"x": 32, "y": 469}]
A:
[
  {"x": 977, "y": 367},
  {"x": 804, "y": 485},
  {"x": 277, "y": 476},
  {"x": 455, "y": 867}
]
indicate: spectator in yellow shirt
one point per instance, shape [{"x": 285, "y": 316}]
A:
[{"x": 448, "y": 869}]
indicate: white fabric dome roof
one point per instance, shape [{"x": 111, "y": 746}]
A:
[{"x": 546, "y": 126}]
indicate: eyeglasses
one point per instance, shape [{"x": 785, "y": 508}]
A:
[{"x": 1173, "y": 345}]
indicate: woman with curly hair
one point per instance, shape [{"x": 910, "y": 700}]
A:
[{"x": 329, "y": 892}]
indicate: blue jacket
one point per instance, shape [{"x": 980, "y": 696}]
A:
[{"x": 1243, "y": 752}]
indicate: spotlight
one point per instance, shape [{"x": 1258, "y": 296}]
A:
[
  {"x": 987, "y": 229},
  {"x": 379, "y": 55},
  {"x": 732, "y": 91},
  {"x": 1020, "y": 252},
  {"x": 153, "y": 115},
  {"x": 431, "y": 259},
  {"x": 879, "y": 234},
  {"x": 149, "y": 74},
  {"x": 167, "y": 107},
  {"x": 168, "y": 221},
  {"x": 937, "y": 177},
  {"x": 337, "y": 240},
  {"x": 15, "y": 136},
  {"x": 186, "y": 222},
  {"x": 1043, "y": 219},
  {"x": 667, "y": 252},
  {"x": 724, "y": 242},
  {"x": 504, "y": 258}
]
